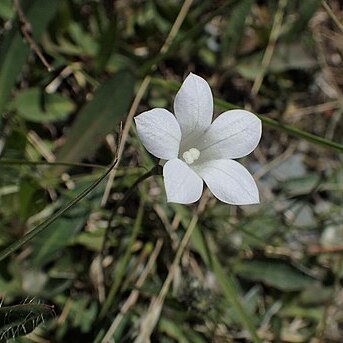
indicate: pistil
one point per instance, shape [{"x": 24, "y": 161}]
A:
[{"x": 191, "y": 155}]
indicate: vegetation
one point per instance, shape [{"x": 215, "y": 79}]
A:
[{"x": 90, "y": 251}]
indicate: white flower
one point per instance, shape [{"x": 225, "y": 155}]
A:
[{"x": 196, "y": 149}]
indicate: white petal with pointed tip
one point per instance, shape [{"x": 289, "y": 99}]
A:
[
  {"x": 233, "y": 134},
  {"x": 229, "y": 181},
  {"x": 159, "y": 132},
  {"x": 193, "y": 106},
  {"x": 182, "y": 184}
]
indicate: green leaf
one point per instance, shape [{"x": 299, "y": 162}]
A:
[
  {"x": 56, "y": 237},
  {"x": 63, "y": 231},
  {"x": 34, "y": 105},
  {"x": 286, "y": 57},
  {"x": 88, "y": 45},
  {"x": 14, "y": 51},
  {"x": 302, "y": 184},
  {"x": 107, "y": 43},
  {"x": 6, "y": 9},
  {"x": 42, "y": 226},
  {"x": 304, "y": 14},
  {"x": 97, "y": 118},
  {"x": 173, "y": 330},
  {"x": 30, "y": 198},
  {"x": 19, "y": 320},
  {"x": 275, "y": 273},
  {"x": 289, "y": 129},
  {"x": 229, "y": 287},
  {"x": 235, "y": 28},
  {"x": 91, "y": 240}
]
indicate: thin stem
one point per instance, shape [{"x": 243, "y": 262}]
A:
[
  {"x": 10, "y": 161},
  {"x": 186, "y": 37},
  {"x": 332, "y": 15},
  {"x": 39, "y": 228},
  {"x": 302, "y": 134},
  {"x": 26, "y": 30},
  {"x": 123, "y": 263},
  {"x": 133, "y": 297},
  {"x": 144, "y": 86},
  {"x": 289, "y": 129},
  {"x": 140, "y": 93},
  {"x": 228, "y": 287},
  {"x": 268, "y": 54},
  {"x": 322, "y": 327},
  {"x": 156, "y": 170}
]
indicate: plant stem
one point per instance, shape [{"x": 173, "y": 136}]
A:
[
  {"x": 227, "y": 283},
  {"x": 228, "y": 286},
  {"x": 151, "y": 318},
  {"x": 11, "y": 161},
  {"x": 123, "y": 263},
  {"x": 289, "y": 129},
  {"x": 156, "y": 170},
  {"x": 39, "y": 228}
]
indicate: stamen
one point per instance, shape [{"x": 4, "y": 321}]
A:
[
  {"x": 195, "y": 153},
  {"x": 191, "y": 155}
]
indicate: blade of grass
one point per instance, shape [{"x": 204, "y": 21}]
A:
[
  {"x": 332, "y": 15},
  {"x": 227, "y": 285},
  {"x": 132, "y": 298}
]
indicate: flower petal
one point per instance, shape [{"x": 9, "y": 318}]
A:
[
  {"x": 182, "y": 184},
  {"x": 229, "y": 181},
  {"x": 233, "y": 134},
  {"x": 193, "y": 105},
  {"x": 159, "y": 132}
]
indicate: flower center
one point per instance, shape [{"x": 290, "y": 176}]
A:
[{"x": 191, "y": 155}]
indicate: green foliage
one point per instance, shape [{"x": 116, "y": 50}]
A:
[
  {"x": 111, "y": 101},
  {"x": 265, "y": 273},
  {"x": 275, "y": 273},
  {"x": 14, "y": 52},
  {"x": 37, "y": 106},
  {"x": 235, "y": 28},
  {"x": 21, "y": 319}
]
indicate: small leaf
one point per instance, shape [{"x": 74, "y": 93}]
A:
[
  {"x": 33, "y": 105},
  {"x": 19, "y": 320},
  {"x": 91, "y": 240},
  {"x": 87, "y": 44},
  {"x": 55, "y": 238},
  {"x": 7, "y": 10},
  {"x": 14, "y": 51},
  {"x": 275, "y": 273}
]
